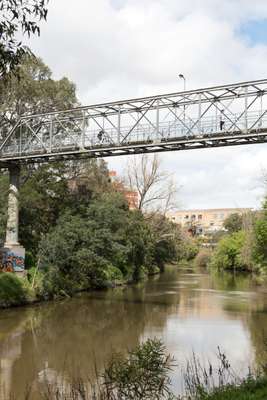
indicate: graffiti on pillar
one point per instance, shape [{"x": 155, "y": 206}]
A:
[{"x": 11, "y": 262}]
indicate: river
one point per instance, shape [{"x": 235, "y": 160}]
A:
[{"x": 189, "y": 311}]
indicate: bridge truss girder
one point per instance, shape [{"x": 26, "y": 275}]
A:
[{"x": 219, "y": 116}]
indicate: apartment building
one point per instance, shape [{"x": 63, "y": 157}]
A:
[{"x": 204, "y": 220}]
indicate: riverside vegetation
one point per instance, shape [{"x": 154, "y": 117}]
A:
[
  {"x": 87, "y": 237},
  {"x": 77, "y": 228},
  {"x": 143, "y": 374},
  {"x": 81, "y": 238},
  {"x": 243, "y": 248}
]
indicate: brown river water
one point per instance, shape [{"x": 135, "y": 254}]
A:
[{"x": 189, "y": 311}]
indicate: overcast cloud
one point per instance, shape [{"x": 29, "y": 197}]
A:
[{"x": 114, "y": 49}]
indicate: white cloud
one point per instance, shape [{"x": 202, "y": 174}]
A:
[{"x": 128, "y": 48}]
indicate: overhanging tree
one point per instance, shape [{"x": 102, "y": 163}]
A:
[
  {"x": 18, "y": 17},
  {"x": 30, "y": 90},
  {"x": 33, "y": 92}
]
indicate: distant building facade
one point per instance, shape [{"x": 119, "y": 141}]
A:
[
  {"x": 130, "y": 195},
  {"x": 203, "y": 221}
]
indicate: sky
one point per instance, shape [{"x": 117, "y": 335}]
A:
[{"x": 116, "y": 49}]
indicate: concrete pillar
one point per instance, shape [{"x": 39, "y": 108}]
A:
[
  {"x": 12, "y": 230},
  {"x": 14, "y": 253}
]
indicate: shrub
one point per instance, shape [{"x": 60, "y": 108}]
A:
[
  {"x": 187, "y": 248},
  {"x": 30, "y": 261},
  {"x": 108, "y": 243},
  {"x": 113, "y": 274},
  {"x": 228, "y": 254},
  {"x": 233, "y": 223},
  {"x": 260, "y": 247},
  {"x": 12, "y": 290},
  {"x": 143, "y": 374},
  {"x": 203, "y": 258}
]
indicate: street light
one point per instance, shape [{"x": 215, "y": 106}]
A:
[{"x": 181, "y": 76}]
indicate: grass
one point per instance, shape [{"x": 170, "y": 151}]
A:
[
  {"x": 250, "y": 389},
  {"x": 143, "y": 374},
  {"x": 12, "y": 290}
]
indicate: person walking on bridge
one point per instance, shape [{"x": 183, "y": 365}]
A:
[{"x": 222, "y": 121}]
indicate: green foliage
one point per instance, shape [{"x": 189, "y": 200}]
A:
[
  {"x": 167, "y": 236},
  {"x": 233, "y": 223},
  {"x": 43, "y": 187},
  {"x": 143, "y": 374},
  {"x": 49, "y": 193},
  {"x": 32, "y": 90},
  {"x": 261, "y": 241},
  {"x": 250, "y": 389},
  {"x": 260, "y": 232},
  {"x": 69, "y": 211},
  {"x": 30, "y": 261},
  {"x": 228, "y": 254},
  {"x": 220, "y": 382},
  {"x": 244, "y": 249},
  {"x": 106, "y": 243},
  {"x": 12, "y": 290},
  {"x": 113, "y": 274},
  {"x": 18, "y": 16},
  {"x": 187, "y": 248},
  {"x": 203, "y": 258}
]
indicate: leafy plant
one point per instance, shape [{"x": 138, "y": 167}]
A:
[
  {"x": 12, "y": 290},
  {"x": 18, "y": 16},
  {"x": 143, "y": 374}
]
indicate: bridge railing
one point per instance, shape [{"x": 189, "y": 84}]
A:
[
  {"x": 237, "y": 109},
  {"x": 168, "y": 130}
]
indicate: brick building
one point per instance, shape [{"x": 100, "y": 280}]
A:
[{"x": 130, "y": 195}]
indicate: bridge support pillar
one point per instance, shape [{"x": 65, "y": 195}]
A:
[{"x": 13, "y": 253}]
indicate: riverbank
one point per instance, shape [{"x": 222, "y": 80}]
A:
[
  {"x": 251, "y": 389},
  {"x": 143, "y": 374},
  {"x": 187, "y": 309},
  {"x": 24, "y": 291}
]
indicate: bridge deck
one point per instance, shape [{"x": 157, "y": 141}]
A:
[{"x": 214, "y": 117}]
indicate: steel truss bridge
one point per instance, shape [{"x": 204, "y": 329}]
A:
[{"x": 217, "y": 116}]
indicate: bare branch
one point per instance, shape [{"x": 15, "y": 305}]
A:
[{"x": 157, "y": 190}]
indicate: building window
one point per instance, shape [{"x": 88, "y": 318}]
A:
[
  {"x": 186, "y": 216},
  {"x": 199, "y": 216}
]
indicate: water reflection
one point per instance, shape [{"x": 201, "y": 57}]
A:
[{"x": 189, "y": 311}]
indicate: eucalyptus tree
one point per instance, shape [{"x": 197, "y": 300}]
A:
[
  {"x": 18, "y": 17},
  {"x": 31, "y": 89}
]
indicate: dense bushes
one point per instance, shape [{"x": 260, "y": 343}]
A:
[
  {"x": 260, "y": 243},
  {"x": 203, "y": 258},
  {"x": 12, "y": 290},
  {"x": 80, "y": 232},
  {"x": 228, "y": 254},
  {"x": 187, "y": 247},
  {"x": 245, "y": 249},
  {"x": 105, "y": 243}
]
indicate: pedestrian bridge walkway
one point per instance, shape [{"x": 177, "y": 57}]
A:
[{"x": 218, "y": 116}]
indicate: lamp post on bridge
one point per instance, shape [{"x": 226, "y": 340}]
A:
[{"x": 181, "y": 76}]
